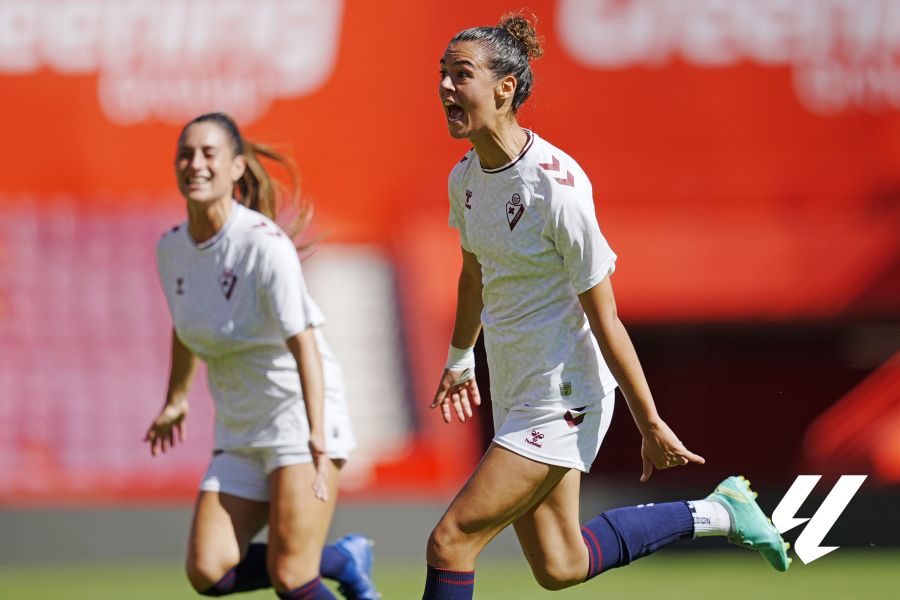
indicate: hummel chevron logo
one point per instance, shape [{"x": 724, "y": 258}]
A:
[
  {"x": 554, "y": 167},
  {"x": 265, "y": 226},
  {"x": 783, "y": 517}
]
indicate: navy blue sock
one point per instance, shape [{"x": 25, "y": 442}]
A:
[
  {"x": 249, "y": 574},
  {"x": 443, "y": 584},
  {"x": 312, "y": 590},
  {"x": 334, "y": 562},
  {"x": 619, "y": 536}
]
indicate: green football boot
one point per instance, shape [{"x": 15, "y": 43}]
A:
[{"x": 750, "y": 527}]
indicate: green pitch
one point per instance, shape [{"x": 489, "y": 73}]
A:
[{"x": 726, "y": 575}]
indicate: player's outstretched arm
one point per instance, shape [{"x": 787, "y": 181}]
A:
[
  {"x": 309, "y": 364},
  {"x": 169, "y": 425},
  {"x": 660, "y": 447},
  {"x": 457, "y": 390}
]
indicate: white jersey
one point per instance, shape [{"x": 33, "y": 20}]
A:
[
  {"x": 532, "y": 226},
  {"x": 234, "y": 300}
]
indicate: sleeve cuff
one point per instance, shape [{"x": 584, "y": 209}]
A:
[{"x": 598, "y": 276}]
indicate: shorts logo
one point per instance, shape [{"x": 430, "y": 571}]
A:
[
  {"x": 179, "y": 289},
  {"x": 469, "y": 199},
  {"x": 514, "y": 211},
  {"x": 574, "y": 417},
  {"x": 565, "y": 388},
  {"x": 536, "y": 437},
  {"x": 226, "y": 281}
]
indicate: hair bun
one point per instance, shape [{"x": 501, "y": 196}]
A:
[{"x": 522, "y": 29}]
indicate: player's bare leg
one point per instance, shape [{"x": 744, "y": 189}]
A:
[
  {"x": 542, "y": 501},
  {"x": 550, "y": 536},
  {"x": 221, "y": 531},
  {"x": 503, "y": 487},
  {"x": 298, "y": 525}
]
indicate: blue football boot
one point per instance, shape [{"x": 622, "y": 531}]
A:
[{"x": 355, "y": 583}]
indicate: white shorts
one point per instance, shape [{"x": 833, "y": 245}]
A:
[
  {"x": 554, "y": 434},
  {"x": 245, "y": 472}
]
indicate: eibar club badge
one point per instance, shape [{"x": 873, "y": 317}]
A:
[
  {"x": 514, "y": 211},
  {"x": 227, "y": 280}
]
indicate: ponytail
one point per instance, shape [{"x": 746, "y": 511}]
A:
[{"x": 259, "y": 191}]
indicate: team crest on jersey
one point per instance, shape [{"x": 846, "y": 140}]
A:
[
  {"x": 514, "y": 211},
  {"x": 469, "y": 199},
  {"x": 227, "y": 280}
]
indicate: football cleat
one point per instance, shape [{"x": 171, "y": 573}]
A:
[
  {"x": 750, "y": 527},
  {"x": 355, "y": 583}
]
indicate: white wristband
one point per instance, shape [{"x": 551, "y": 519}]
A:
[{"x": 460, "y": 358}]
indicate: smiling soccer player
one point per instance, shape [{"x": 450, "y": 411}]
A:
[{"x": 235, "y": 290}]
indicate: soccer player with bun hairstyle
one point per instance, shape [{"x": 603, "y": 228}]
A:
[
  {"x": 235, "y": 290},
  {"x": 536, "y": 276}
]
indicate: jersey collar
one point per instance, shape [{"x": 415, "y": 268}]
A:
[
  {"x": 235, "y": 207},
  {"x": 525, "y": 149}
]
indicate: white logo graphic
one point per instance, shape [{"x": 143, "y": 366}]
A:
[
  {"x": 843, "y": 55},
  {"x": 807, "y": 544},
  {"x": 175, "y": 59}
]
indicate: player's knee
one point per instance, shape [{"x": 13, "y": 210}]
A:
[
  {"x": 287, "y": 573},
  {"x": 203, "y": 574},
  {"x": 555, "y": 574},
  {"x": 444, "y": 544}
]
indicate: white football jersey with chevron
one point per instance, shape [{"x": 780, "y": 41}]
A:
[
  {"x": 234, "y": 300},
  {"x": 532, "y": 226}
]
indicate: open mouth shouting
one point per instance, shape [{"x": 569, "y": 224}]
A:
[{"x": 455, "y": 112}]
